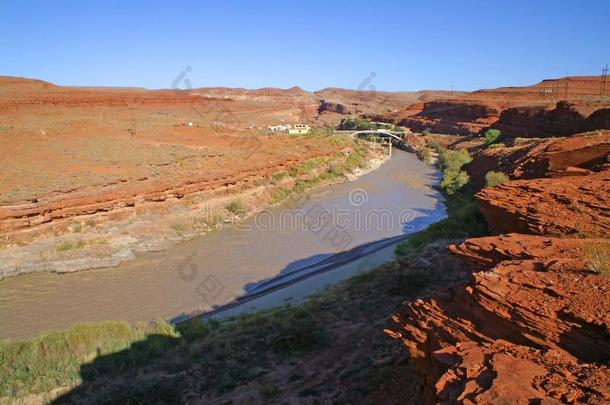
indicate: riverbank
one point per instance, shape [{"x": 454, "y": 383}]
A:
[
  {"x": 211, "y": 270},
  {"x": 331, "y": 346},
  {"x": 98, "y": 241},
  {"x": 290, "y": 352}
]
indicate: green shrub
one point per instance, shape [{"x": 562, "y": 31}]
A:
[
  {"x": 356, "y": 159},
  {"x": 426, "y": 155},
  {"x": 451, "y": 163},
  {"x": 453, "y": 180},
  {"x": 64, "y": 246},
  {"x": 236, "y": 207},
  {"x": 306, "y": 167},
  {"x": 436, "y": 146},
  {"x": 356, "y": 124},
  {"x": 493, "y": 179},
  {"x": 269, "y": 391},
  {"x": 492, "y": 136},
  {"x": 425, "y": 132},
  {"x": 453, "y": 160},
  {"x": 497, "y": 145},
  {"x": 277, "y": 177},
  {"x": 280, "y": 195},
  {"x": 334, "y": 170}
]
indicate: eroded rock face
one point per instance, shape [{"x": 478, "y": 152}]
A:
[
  {"x": 533, "y": 326},
  {"x": 564, "y": 118},
  {"x": 502, "y": 371},
  {"x": 554, "y": 206},
  {"x": 577, "y": 155},
  {"x": 452, "y": 117},
  {"x": 540, "y": 110}
]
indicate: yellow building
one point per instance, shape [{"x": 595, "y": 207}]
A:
[{"x": 299, "y": 129}]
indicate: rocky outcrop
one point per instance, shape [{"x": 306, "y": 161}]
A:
[
  {"x": 565, "y": 118},
  {"x": 577, "y": 205},
  {"x": 452, "y": 117},
  {"x": 368, "y": 103},
  {"x": 577, "y": 155},
  {"x": 116, "y": 197},
  {"x": 563, "y": 156},
  {"x": 338, "y": 108},
  {"x": 531, "y": 325},
  {"x": 501, "y": 372},
  {"x": 534, "y": 317}
]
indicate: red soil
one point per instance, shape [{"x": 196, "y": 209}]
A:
[{"x": 68, "y": 151}]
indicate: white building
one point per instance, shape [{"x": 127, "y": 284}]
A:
[
  {"x": 279, "y": 128},
  {"x": 299, "y": 129}
]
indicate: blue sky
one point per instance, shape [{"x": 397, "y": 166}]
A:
[{"x": 409, "y": 45}]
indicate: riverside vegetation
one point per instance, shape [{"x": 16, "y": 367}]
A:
[{"x": 463, "y": 216}]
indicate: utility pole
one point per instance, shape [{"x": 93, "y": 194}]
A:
[
  {"x": 602, "y": 85},
  {"x": 567, "y": 89},
  {"x": 133, "y": 122}
]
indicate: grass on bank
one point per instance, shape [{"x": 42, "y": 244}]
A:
[
  {"x": 66, "y": 245},
  {"x": 463, "y": 220},
  {"x": 236, "y": 207},
  {"x": 95, "y": 350},
  {"x": 114, "y": 362},
  {"x": 450, "y": 164},
  {"x": 351, "y": 161},
  {"x": 54, "y": 359}
]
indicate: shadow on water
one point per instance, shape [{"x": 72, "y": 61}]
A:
[
  {"x": 304, "y": 268},
  {"x": 292, "y": 267}
]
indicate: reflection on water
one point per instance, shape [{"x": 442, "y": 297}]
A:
[{"x": 214, "y": 268}]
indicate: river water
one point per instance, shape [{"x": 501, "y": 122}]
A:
[{"x": 213, "y": 269}]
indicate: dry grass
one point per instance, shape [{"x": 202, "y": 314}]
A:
[{"x": 597, "y": 255}]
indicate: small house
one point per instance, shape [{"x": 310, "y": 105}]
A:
[{"x": 299, "y": 129}]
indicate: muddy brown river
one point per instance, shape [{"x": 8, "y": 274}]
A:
[{"x": 213, "y": 269}]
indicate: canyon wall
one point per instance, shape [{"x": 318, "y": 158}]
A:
[
  {"x": 550, "y": 108},
  {"x": 531, "y": 324}
]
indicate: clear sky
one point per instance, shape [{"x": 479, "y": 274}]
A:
[{"x": 409, "y": 45}]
